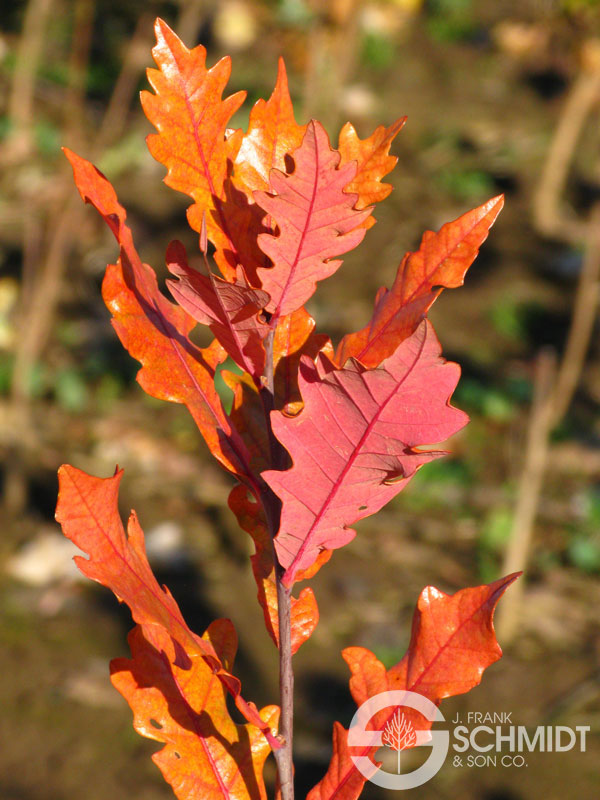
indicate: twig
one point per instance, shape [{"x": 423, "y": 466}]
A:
[
  {"x": 549, "y": 217},
  {"x": 528, "y": 494},
  {"x": 29, "y": 53},
  {"x": 272, "y": 504}
]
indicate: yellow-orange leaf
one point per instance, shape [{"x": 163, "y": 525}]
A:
[
  {"x": 373, "y": 160},
  {"x": 206, "y": 755},
  {"x": 272, "y": 133},
  {"x": 191, "y": 119}
]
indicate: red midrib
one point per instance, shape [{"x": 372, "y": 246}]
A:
[{"x": 304, "y": 232}]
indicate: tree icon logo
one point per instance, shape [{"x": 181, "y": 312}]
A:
[{"x": 399, "y": 734}]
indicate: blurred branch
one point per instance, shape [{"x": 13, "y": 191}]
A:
[
  {"x": 83, "y": 25},
  {"x": 29, "y": 54},
  {"x": 554, "y": 389},
  {"x": 331, "y": 54},
  {"x": 549, "y": 216}
]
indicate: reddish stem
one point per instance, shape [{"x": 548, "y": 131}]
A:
[{"x": 272, "y": 505}]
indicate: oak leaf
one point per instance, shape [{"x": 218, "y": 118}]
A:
[
  {"x": 193, "y": 140},
  {"x": 373, "y": 163},
  {"x": 440, "y": 262},
  {"x": 316, "y": 219},
  {"x": 272, "y": 134},
  {"x": 156, "y": 332},
  {"x": 206, "y": 754},
  {"x": 231, "y": 310},
  {"x": 452, "y": 643},
  {"x": 87, "y": 509},
  {"x": 354, "y": 444}
]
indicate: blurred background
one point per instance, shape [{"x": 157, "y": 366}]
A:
[{"x": 500, "y": 97}]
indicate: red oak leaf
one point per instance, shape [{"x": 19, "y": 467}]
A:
[
  {"x": 316, "y": 220},
  {"x": 373, "y": 162},
  {"x": 354, "y": 443},
  {"x": 156, "y": 332},
  {"x": 452, "y": 643},
  {"x": 441, "y": 261},
  {"x": 88, "y": 512},
  {"x": 205, "y": 754},
  {"x": 231, "y": 310}
]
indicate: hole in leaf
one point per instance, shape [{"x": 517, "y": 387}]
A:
[
  {"x": 176, "y": 754},
  {"x": 156, "y": 724},
  {"x": 362, "y": 508},
  {"x": 289, "y": 163}
]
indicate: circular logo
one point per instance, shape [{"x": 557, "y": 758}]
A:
[{"x": 359, "y": 736}]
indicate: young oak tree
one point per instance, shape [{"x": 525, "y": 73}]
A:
[{"x": 318, "y": 437}]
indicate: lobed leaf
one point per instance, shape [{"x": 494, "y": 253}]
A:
[
  {"x": 87, "y": 509},
  {"x": 191, "y": 119},
  {"x": 440, "y": 262},
  {"x": 205, "y": 754},
  {"x": 452, "y": 643},
  {"x": 156, "y": 332},
  {"x": 316, "y": 220},
  {"x": 373, "y": 163},
  {"x": 354, "y": 445},
  {"x": 272, "y": 134},
  {"x": 231, "y": 310}
]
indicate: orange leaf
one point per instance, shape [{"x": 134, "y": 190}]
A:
[
  {"x": 294, "y": 337},
  {"x": 373, "y": 160},
  {"x": 206, "y": 754},
  {"x": 452, "y": 643},
  {"x": 316, "y": 220},
  {"x": 441, "y": 261},
  {"x": 156, "y": 332},
  {"x": 191, "y": 119},
  {"x": 304, "y": 610},
  {"x": 272, "y": 133},
  {"x": 88, "y": 512}
]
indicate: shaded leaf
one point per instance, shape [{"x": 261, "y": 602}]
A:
[
  {"x": 294, "y": 337},
  {"x": 452, "y": 643},
  {"x": 316, "y": 220},
  {"x": 354, "y": 443},
  {"x": 304, "y": 610},
  {"x": 373, "y": 162},
  {"x": 206, "y": 754},
  {"x": 441, "y": 261},
  {"x": 88, "y": 512},
  {"x": 156, "y": 332},
  {"x": 231, "y": 310}
]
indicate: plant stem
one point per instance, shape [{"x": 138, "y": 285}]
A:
[{"x": 272, "y": 504}]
